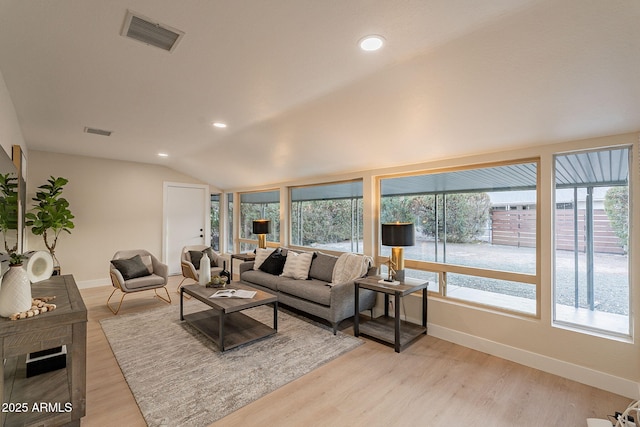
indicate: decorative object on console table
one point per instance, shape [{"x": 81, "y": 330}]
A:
[
  {"x": 262, "y": 227},
  {"x": 397, "y": 234},
  {"x": 15, "y": 292},
  {"x": 39, "y": 265},
  {"x": 44, "y": 361},
  {"x": 51, "y": 214}
]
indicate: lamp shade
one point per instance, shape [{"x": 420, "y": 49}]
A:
[
  {"x": 261, "y": 226},
  {"x": 398, "y": 234}
]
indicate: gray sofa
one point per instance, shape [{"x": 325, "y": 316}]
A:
[{"x": 313, "y": 296}]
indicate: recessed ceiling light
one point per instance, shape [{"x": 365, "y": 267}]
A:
[
  {"x": 163, "y": 155},
  {"x": 219, "y": 125},
  {"x": 371, "y": 43}
]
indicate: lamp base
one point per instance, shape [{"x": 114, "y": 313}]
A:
[{"x": 399, "y": 275}]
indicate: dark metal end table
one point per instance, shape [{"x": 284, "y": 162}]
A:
[{"x": 384, "y": 328}]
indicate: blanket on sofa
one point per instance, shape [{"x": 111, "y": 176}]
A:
[{"x": 349, "y": 267}]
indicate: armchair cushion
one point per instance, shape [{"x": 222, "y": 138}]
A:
[
  {"x": 131, "y": 268},
  {"x": 196, "y": 256}
]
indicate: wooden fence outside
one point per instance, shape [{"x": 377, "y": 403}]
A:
[{"x": 518, "y": 228}]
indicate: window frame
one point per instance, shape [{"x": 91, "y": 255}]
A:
[
  {"x": 326, "y": 184},
  {"x": 442, "y": 269},
  {"x": 582, "y": 327},
  {"x": 243, "y": 242}
]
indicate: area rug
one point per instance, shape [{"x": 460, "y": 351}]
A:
[{"x": 179, "y": 377}]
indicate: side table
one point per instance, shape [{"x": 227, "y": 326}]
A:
[
  {"x": 248, "y": 256},
  {"x": 391, "y": 330}
]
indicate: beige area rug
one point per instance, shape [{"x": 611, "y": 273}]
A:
[{"x": 179, "y": 378}]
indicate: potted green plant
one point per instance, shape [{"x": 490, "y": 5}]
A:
[
  {"x": 9, "y": 211},
  {"x": 50, "y": 215}
]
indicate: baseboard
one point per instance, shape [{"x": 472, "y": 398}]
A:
[
  {"x": 85, "y": 284},
  {"x": 601, "y": 380}
]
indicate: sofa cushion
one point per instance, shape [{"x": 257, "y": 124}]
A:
[
  {"x": 131, "y": 268},
  {"x": 261, "y": 255},
  {"x": 312, "y": 290},
  {"x": 297, "y": 265},
  {"x": 261, "y": 278},
  {"x": 274, "y": 264},
  {"x": 322, "y": 267}
]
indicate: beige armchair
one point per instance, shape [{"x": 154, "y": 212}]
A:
[
  {"x": 135, "y": 271},
  {"x": 191, "y": 271}
]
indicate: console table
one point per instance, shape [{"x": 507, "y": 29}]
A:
[
  {"x": 391, "y": 330},
  {"x": 53, "y": 398}
]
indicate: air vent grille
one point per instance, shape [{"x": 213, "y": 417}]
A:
[
  {"x": 142, "y": 29},
  {"x": 98, "y": 131}
]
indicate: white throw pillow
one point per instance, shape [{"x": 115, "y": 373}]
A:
[
  {"x": 261, "y": 255},
  {"x": 297, "y": 265}
]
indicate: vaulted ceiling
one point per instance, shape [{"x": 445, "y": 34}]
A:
[{"x": 300, "y": 98}]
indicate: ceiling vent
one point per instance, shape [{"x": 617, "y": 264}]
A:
[
  {"x": 143, "y": 29},
  {"x": 98, "y": 131}
]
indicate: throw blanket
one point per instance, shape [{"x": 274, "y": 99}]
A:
[{"x": 349, "y": 267}]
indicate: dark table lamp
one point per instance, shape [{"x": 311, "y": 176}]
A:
[
  {"x": 262, "y": 227},
  {"x": 397, "y": 235}
]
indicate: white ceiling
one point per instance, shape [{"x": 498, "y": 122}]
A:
[{"x": 455, "y": 77}]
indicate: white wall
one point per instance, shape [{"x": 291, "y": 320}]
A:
[{"x": 117, "y": 205}]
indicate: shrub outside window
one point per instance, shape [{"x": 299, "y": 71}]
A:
[
  {"x": 476, "y": 228},
  {"x": 328, "y": 216}
]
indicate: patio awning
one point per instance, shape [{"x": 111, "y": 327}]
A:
[
  {"x": 603, "y": 168},
  {"x": 340, "y": 190}
]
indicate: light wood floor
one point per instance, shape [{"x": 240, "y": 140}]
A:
[{"x": 431, "y": 383}]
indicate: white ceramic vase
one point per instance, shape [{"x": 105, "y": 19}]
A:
[
  {"x": 205, "y": 270},
  {"x": 15, "y": 291}
]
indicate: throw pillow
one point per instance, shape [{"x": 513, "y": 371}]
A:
[
  {"x": 146, "y": 260},
  {"x": 274, "y": 264},
  {"x": 261, "y": 255},
  {"x": 297, "y": 265},
  {"x": 196, "y": 257},
  {"x": 131, "y": 268},
  {"x": 322, "y": 267}
]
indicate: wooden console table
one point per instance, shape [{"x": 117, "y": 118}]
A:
[{"x": 53, "y": 398}]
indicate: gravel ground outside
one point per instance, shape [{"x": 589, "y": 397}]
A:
[{"x": 611, "y": 272}]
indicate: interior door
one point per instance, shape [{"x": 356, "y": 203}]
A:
[{"x": 186, "y": 212}]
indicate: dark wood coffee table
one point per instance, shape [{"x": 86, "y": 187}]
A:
[{"x": 224, "y": 323}]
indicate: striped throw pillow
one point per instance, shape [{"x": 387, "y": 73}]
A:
[{"x": 297, "y": 265}]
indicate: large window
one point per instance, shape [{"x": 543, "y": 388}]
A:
[
  {"x": 328, "y": 216},
  {"x": 229, "y": 233},
  {"x": 259, "y": 205},
  {"x": 476, "y": 228},
  {"x": 215, "y": 222},
  {"x": 591, "y": 286}
]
